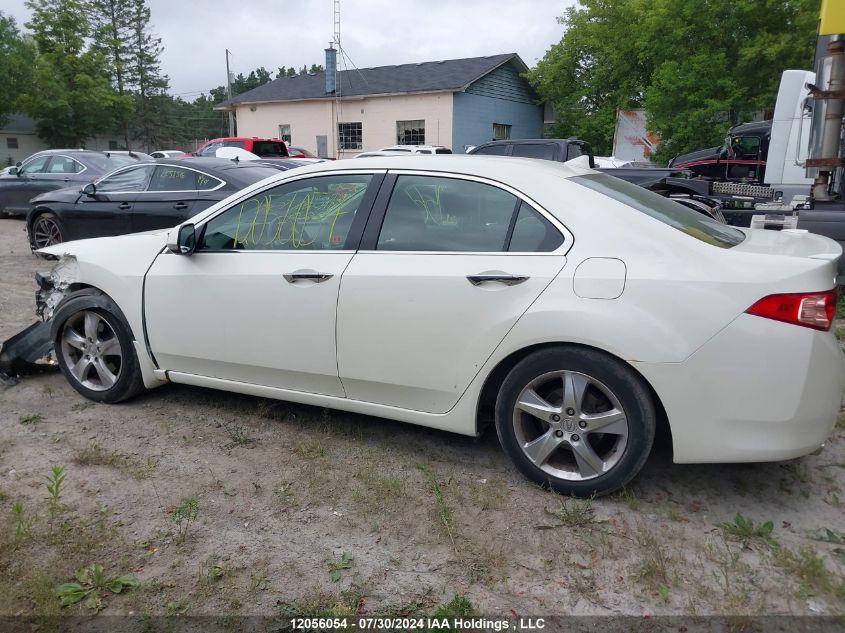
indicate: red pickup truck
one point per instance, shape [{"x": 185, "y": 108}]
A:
[{"x": 263, "y": 147}]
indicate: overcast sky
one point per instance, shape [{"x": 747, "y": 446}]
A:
[{"x": 273, "y": 33}]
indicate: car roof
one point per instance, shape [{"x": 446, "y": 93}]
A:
[
  {"x": 208, "y": 163},
  {"x": 506, "y": 169},
  {"x": 244, "y": 138}
]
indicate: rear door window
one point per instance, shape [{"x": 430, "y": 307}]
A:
[
  {"x": 492, "y": 150},
  {"x": 532, "y": 233},
  {"x": 546, "y": 151},
  {"x": 127, "y": 180},
  {"x": 64, "y": 165},
  {"x": 169, "y": 178},
  {"x": 431, "y": 213},
  {"x": 663, "y": 210}
]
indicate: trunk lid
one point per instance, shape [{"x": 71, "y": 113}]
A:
[{"x": 789, "y": 243}]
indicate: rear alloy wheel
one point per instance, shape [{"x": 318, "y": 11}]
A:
[
  {"x": 576, "y": 420},
  {"x": 46, "y": 231}
]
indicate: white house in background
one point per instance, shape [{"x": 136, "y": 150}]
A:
[
  {"x": 18, "y": 140},
  {"x": 455, "y": 103}
]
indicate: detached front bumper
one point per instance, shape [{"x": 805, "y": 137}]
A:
[{"x": 760, "y": 390}]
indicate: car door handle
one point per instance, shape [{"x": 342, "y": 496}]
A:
[
  {"x": 508, "y": 280},
  {"x": 123, "y": 206},
  {"x": 307, "y": 275},
  {"x": 180, "y": 206}
]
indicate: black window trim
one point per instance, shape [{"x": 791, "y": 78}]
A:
[
  {"x": 356, "y": 230},
  {"x": 370, "y": 238}
]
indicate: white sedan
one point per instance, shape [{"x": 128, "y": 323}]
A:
[{"x": 573, "y": 310}]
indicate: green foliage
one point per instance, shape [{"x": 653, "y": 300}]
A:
[
  {"x": 697, "y": 67},
  {"x": 22, "y": 523},
  {"x": 184, "y": 515},
  {"x": 32, "y": 418},
  {"x": 55, "y": 484},
  {"x": 16, "y": 56},
  {"x": 90, "y": 582},
  {"x": 746, "y": 530},
  {"x": 335, "y": 565}
]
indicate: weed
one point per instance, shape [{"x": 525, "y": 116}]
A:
[
  {"x": 237, "y": 437},
  {"x": 662, "y": 591},
  {"x": 284, "y": 493},
  {"x": 746, "y": 531},
  {"x": 22, "y": 522},
  {"x": 258, "y": 582},
  {"x": 318, "y": 605},
  {"x": 177, "y": 607},
  {"x": 444, "y": 514},
  {"x": 629, "y": 497},
  {"x": 213, "y": 569},
  {"x": 90, "y": 582},
  {"x": 309, "y": 448},
  {"x": 32, "y": 418},
  {"x": 377, "y": 493},
  {"x": 573, "y": 513},
  {"x": 335, "y": 565},
  {"x": 653, "y": 567},
  {"x": 184, "y": 514},
  {"x": 457, "y": 607},
  {"x": 55, "y": 483},
  {"x": 828, "y": 536},
  {"x": 3, "y": 494}
]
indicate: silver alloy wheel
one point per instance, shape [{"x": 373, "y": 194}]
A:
[
  {"x": 91, "y": 351},
  {"x": 45, "y": 231},
  {"x": 570, "y": 425}
]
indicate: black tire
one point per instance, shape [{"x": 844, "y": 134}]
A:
[
  {"x": 129, "y": 380},
  {"x": 44, "y": 224},
  {"x": 628, "y": 388}
]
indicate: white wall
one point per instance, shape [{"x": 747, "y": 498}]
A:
[
  {"x": 28, "y": 144},
  {"x": 378, "y": 117}
]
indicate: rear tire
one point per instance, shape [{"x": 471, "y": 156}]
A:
[
  {"x": 576, "y": 420},
  {"x": 95, "y": 349}
]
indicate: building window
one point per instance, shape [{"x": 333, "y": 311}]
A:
[
  {"x": 501, "y": 132},
  {"x": 410, "y": 132},
  {"x": 11, "y": 142},
  {"x": 284, "y": 133},
  {"x": 349, "y": 135}
]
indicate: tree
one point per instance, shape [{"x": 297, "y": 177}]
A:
[
  {"x": 16, "y": 58},
  {"x": 696, "y": 67},
  {"x": 315, "y": 68},
  {"x": 71, "y": 97},
  {"x": 112, "y": 23},
  {"x": 145, "y": 76}
]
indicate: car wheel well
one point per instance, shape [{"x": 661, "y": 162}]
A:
[{"x": 485, "y": 411}]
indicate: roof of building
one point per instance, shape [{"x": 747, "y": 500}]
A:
[
  {"x": 446, "y": 75},
  {"x": 19, "y": 123}
]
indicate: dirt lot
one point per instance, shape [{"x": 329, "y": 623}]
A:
[{"x": 222, "y": 504}]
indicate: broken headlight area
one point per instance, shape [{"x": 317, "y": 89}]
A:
[{"x": 53, "y": 286}]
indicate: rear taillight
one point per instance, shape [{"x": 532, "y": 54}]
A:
[{"x": 810, "y": 309}]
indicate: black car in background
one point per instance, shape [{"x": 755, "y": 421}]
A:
[
  {"x": 144, "y": 197},
  {"x": 54, "y": 169}
]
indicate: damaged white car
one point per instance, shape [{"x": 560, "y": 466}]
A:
[{"x": 573, "y": 310}]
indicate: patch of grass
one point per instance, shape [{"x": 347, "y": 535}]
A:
[
  {"x": 335, "y": 565},
  {"x": 31, "y": 418},
  {"x": 238, "y": 437},
  {"x": 319, "y": 605},
  {"x": 653, "y": 568},
  {"x": 258, "y": 581},
  {"x": 810, "y": 568},
  {"x": 95, "y": 455},
  {"x": 213, "y": 569},
  {"x": 376, "y": 493},
  {"x": 285, "y": 494},
  {"x": 444, "y": 518},
  {"x": 21, "y": 521},
  {"x": 486, "y": 494},
  {"x": 577, "y": 513},
  {"x": 746, "y": 531},
  {"x": 184, "y": 515},
  {"x": 629, "y": 497},
  {"x": 309, "y": 448}
]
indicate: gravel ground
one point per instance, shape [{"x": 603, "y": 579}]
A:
[{"x": 223, "y": 504}]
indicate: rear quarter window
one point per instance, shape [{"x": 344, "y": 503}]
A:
[{"x": 663, "y": 210}]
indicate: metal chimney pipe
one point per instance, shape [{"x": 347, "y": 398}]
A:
[
  {"x": 331, "y": 69},
  {"x": 828, "y": 110}
]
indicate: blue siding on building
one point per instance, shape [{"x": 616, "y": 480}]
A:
[
  {"x": 473, "y": 116},
  {"x": 503, "y": 83}
]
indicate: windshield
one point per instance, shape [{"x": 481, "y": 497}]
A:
[{"x": 677, "y": 216}]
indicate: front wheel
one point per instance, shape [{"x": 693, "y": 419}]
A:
[
  {"x": 576, "y": 420},
  {"x": 95, "y": 351},
  {"x": 46, "y": 230}
]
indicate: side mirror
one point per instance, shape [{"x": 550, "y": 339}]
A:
[
  {"x": 90, "y": 189},
  {"x": 186, "y": 241},
  {"x": 13, "y": 171}
]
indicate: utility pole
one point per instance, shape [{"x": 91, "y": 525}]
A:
[{"x": 229, "y": 95}]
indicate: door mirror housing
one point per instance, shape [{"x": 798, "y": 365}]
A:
[
  {"x": 13, "y": 171},
  {"x": 186, "y": 240},
  {"x": 90, "y": 189}
]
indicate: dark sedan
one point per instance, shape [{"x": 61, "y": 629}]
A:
[
  {"x": 143, "y": 197},
  {"x": 54, "y": 169}
]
